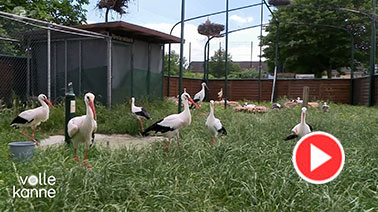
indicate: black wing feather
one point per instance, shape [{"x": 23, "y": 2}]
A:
[
  {"x": 144, "y": 113},
  {"x": 222, "y": 131},
  {"x": 20, "y": 120},
  {"x": 157, "y": 128},
  {"x": 310, "y": 127},
  {"x": 291, "y": 137}
]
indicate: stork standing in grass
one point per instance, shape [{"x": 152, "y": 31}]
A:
[
  {"x": 325, "y": 107},
  {"x": 214, "y": 125},
  {"x": 220, "y": 94},
  {"x": 81, "y": 129},
  {"x": 302, "y": 128},
  {"x": 33, "y": 117},
  {"x": 170, "y": 126},
  {"x": 139, "y": 112},
  {"x": 200, "y": 96}
]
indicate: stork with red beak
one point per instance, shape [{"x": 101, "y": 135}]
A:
[
  {"x": 33, "y": 117},
  {"x": 302, "y": 128},
  {"x": 200, "y": 96},
  {"x": 139, "y": 112},
  {"x": 81, "y": 129},
  {"x": 170, "y": 126}
]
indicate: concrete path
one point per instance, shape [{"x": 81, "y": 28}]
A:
[{"x": 113, "y": 141}]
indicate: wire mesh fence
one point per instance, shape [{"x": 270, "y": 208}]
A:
[{"x": 39, "y": 57}]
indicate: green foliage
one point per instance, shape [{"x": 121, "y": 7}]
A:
[
  {"x": 250, "y": 169},
  {"x": 246, "y": 74},
  {"x": 175, "y": 63},
  {"x": 66, "y": 12},
  {"x": 217, "y": 64},
  {"x": 311, "y": 48}
]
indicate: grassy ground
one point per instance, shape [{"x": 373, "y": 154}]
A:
[{"x": 248, "y": 170}]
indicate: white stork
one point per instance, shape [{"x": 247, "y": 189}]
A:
[
  {"x": 302, "y": 128},
  {"x": 81, "y": 129},
  {"x": 33, "y": 117},
  {"x": 276, "y": 106},
  {"x": 325, "y": 107},
  {"x": 200, "y": 96},
  {"x": 139, "y": 112},
  {"x": 220, "y": 94},
  {"x": 214, "y": 125},
  {"x": 170, "y": 126}
]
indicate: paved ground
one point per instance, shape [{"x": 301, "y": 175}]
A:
[{"x": 109, "y": 141}]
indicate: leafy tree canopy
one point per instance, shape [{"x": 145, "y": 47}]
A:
[
  {"x": 66, "y": 12},
  {"x": 175, "y": 63},
  {"x": 217, "y": 64},
  {"x": 311, "y": 48}
]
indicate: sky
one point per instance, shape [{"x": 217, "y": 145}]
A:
[{"x": 162, "y": 15}]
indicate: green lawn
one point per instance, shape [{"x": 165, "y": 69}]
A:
[{"x": 248, "y": 170}]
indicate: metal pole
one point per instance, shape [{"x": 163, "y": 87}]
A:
[
  {"x": 109, "y": 73},
  {"x": 352, "y": 70},
  {"x": 162, "y": 71},
  {"x": 181, "y": 52},
  {"x": 132, "y": 71},
  {"x": 49, "y": 64},
  {"x": 204, "y": 59},
  {"x": 190, "y": 52},
  {"x": 169, "y": 68},
  {"x": 207, "y": 70},
  {"x": 275, "y": 64},
  {"x": 80, "y": 66},
  {"x": 226, "y": 61},
  {"x": 372, "y": 56},
  {"x": 260, "y": 62},
  {"x": 65, "y": 66},
  {"x": 251, "y": 53},
  {"x": 28, "y": 69},
  {"x": 148, "y": 69}
]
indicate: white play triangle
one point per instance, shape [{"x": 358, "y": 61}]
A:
[{"x": 318, "y": 157}]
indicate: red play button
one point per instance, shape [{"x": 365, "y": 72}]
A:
[{"x": 318, "y": 157}]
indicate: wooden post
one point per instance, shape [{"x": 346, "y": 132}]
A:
[{"x": 306, "y": 91}]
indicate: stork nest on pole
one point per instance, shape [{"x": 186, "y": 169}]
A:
[
  {"x": 119, "y": 6},
  {"x": 210, "y": 29}
]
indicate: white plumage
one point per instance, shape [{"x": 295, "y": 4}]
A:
[
  {"x": 139, "y": 112},
  {"x": 214, "y": 125},
  {"x": 170, "y": 126},
  {"x": 200, "y": 96},
  {"x": 81, "y": 129},
  {"x": 325, "y": 107},
  {"x": 302, "y": 128},
  {"x": 33, "y": 117}
]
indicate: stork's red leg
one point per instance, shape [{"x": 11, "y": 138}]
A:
[
  {"x": 24, "y": 134},
  {"x": 76, "y": 158},
  {"x": 167, "y": 145},
  {"x": 212, "y": 141},
  {"x": 36, "y": 142},
  {"x": 85, "y": 160},
  {"x": 141, "y": 124}
]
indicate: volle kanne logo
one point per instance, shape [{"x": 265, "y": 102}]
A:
[{"x": 35, "y": 186}]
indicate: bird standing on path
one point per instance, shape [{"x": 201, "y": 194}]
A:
[
  {"x": 302, "y": 128},
  {"x": 33, "y": 117},
  {"x": 139, "y": 112},
  {"x": 214, "y": 125},
  {"x": 170, "y": 126},
  {"x": 82, "y": 128},
  {"x": 200, "y": 96}
]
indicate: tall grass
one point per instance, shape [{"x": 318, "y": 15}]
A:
[{"x": 250, "y": 169}]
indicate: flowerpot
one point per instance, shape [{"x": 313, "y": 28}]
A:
[{"x": 22, "y": 150}]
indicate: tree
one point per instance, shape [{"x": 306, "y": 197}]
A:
[
  {"x": 119, "y": 6},
  {"x": 175, "y": 63},
  {"x": 66, "y": 12},
  {"x": 246, "y": 74},
  {"x": 217, "y": 64},
  {"x": 316, "y": 49}
]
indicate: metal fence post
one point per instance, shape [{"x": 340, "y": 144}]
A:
[
  {"x": 109, "y": 72},
  {"x": 181, "y": 53},
  {"x": 70, "y": 107},
  {"x": 226, "y": 61},
  {"x": 49, "y": 63}
]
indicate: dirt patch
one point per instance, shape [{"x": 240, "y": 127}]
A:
[{"x": 113, "y": 141}]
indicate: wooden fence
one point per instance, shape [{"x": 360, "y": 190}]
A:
[{"x": 336, "y": 90}]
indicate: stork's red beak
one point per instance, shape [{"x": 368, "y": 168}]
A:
[
  {"x": 49, "y": 103},
  {"x": 91, "y": 105},
  {"x": 207, "y": 87},
  {"x": 195, "y": 104}
]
